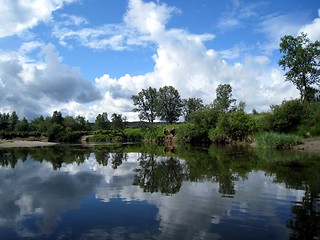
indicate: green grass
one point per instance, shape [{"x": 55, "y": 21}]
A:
[{"x": 277, "y": 140}]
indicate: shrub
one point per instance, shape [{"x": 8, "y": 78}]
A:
[
  {"x": 277, "y": 140},
  {"x": 234, "y": 126},
  {"x": 191, "y": 133},
  {"x": 134, "y": 134},
  {"x": 287, "y": 116}
]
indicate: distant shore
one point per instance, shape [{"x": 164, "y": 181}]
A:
[{"x": 22, "y": 143}]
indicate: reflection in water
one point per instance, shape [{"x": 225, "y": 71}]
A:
[
  {"x": 74, "y": 192},
  {"x": 159, "y": 175}
]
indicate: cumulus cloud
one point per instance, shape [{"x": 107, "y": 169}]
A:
[
  {"x": 181, "y": 59},
  {"x": 20, "y": 15},
  {"x": 312, "y": 29},
  {"x": 29, "y": 88}
]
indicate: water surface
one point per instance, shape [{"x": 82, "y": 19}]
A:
[{"x": 149, "y": 192}]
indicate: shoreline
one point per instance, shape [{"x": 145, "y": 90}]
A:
[
  {"x": 24, "y": 144},
  {"x": 311, "y": 145}
]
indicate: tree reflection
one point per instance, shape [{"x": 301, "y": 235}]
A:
[
  {"x": 154, "y": 175},
  {"x": 118, "y": 159},
  {"x": 306, "y": 221}
]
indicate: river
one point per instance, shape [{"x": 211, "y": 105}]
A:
[{"x": 127, "y": 191}]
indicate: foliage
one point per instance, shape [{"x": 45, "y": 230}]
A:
[
  {"x": 262, "y": 121},
  {"x": 189, "y": 132},
  {"x": 118, "y": 122},
  {"x": 234, "y": 126},
  {"x": 146, "y": 103},
  {"x": 277, "y": 140},
  {"x": 169, "y": 104},
  {"x": 191, "y": 105},
  {"x": 134, "y": 134},
  {"x": 287, "y": 116},
  {"x": 196, "y": 130},
  {"x": 101, "y": 122},
  {"x": 302, "y": 59},
  {"x": 224, "y": 101}
]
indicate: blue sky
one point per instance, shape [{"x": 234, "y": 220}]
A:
[{"x": 85, "y": 57}]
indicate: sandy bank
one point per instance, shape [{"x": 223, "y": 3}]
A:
[{"x": 11, "y": 144}]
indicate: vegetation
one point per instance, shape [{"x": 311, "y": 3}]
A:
[
  {"x": 278, "y": 140},
  {"x": 302, "y": 59}
]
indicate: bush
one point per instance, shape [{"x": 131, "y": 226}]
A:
[
  {"x": 287, "y": 116},
  {"x": 134, "y": 134},
  {"x": 262, "y": 121},
  {"x": 277, "y": 140},
  {"x": 234, "y": 126},
  {"x": 191, "y": 133}
]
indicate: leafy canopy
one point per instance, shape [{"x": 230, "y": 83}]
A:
[{"x": 301, "y": 59}]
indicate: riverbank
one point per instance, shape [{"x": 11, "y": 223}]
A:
[
  {"x": 22, "y": 143},
  {"x": 309, "y": 145}
]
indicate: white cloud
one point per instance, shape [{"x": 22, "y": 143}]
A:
[
  {"x": 183, "y": 61},
  {"x": 20, "y": 15},
  {"x": 312, "y": 30},
  {"x": 269, "y": 26},
  {"x": 32, "y": 87}
]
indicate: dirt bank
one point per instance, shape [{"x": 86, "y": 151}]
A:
[
  {"x": 309, "y": 145},
  {"x": 20, "y": 143}
]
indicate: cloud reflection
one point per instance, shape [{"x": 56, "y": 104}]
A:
[{"x": 36, "y": 191}]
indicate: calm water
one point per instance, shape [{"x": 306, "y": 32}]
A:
[{"x": 148, "y": 192}]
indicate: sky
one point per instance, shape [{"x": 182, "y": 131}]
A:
[{"x": 86, "y": 57}]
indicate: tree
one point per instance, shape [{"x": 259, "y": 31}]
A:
[
  {"x": 13, "y": 120},
  {"x": 102, "y": 122},
  {"x": 146, "y": 104},
  {"x": 302, "y": 59},
  {"x": 224, "y": 101},
  {"x": 57, "y": 118},
  {"x": 169, "y": 105},
  {"x": 4, "y": 121},
  {"x": 191, "y": 105},
  {"x": 22, "y": 126},
  {"x": 118, "y": 122}
]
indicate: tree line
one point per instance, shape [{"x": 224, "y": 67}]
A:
[{"x": 56, "y": 127}]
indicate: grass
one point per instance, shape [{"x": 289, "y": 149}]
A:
[{"x": 278, "y": 140}]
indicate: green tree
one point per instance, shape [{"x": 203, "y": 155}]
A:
[
  {"x": 38, "y": 124},
  {"x": 170, "y": 104},
  {"x": 82, "y": 123},
  {"x": 191, "y": 105},
  {"x": 57, "y": 118},
  {"x": 13, "y": 120},
  {"x": 146, "y": 103},
  {"x": 302, "y": 59},
  {"x": 287, "y": 116},
  {"x": 22, "y": 126},
  {"x": 102, "y": 122},
  {"x": 4, "y": 121},
  {"x": 70, "y": 123},
  {"x": 233, "y": 126},
  {"x": 224, "y": 101},
  {"x": 118, "y": 122}
]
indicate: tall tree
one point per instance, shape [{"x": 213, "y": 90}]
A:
[
  {"x": 224, "y": 101},
  {"x": 102, "y": 122},
  {"x": 302, "y": 59},
  {"x": 146, "y": 104},
  {"x": 118, "y": 122},
  {"x": 13, "y": 120},
  {"x": 191, "y": 105},
  {"x": 170, "y": 104}
]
